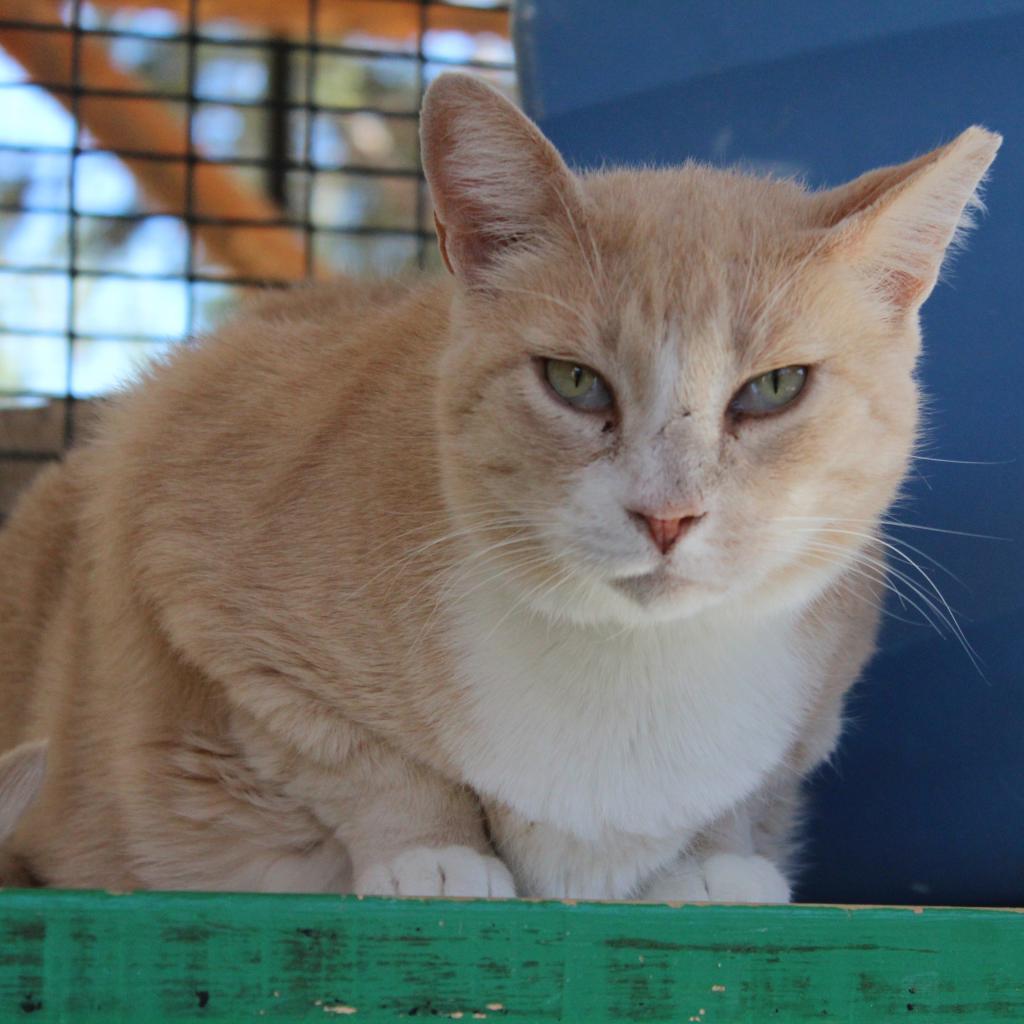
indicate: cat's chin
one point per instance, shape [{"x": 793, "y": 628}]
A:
[
  {"x": 656, "y": 587},
  {"x": 639, "y": 599},
  {"x": 662, "y": 595}
]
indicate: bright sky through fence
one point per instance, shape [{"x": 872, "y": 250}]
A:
[{"x": 154, "y": 313}]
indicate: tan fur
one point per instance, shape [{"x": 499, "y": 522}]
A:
[
  {"x": 229, "y": 611},
  {"x": 21, "y": 779}
]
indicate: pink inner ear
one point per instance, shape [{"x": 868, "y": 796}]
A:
[
  {"x": 901, "y": 287},
  {"x": 495, "y": 180},
  {"x": 442, "y": 242},
  {"x": 465, "y": 248},
  {"x": 475, "y": 251}
]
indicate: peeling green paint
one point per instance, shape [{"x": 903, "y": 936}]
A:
[{"x": 151, "y": 958}]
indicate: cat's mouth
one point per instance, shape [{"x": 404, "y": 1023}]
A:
[{"x": 650, "y": 587}]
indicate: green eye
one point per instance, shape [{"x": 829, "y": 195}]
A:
[
  {"x": 578, "y": 385},
  {"x": 769, "y": 392}
]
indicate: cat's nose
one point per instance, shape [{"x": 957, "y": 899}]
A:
[{"x": 666, "y": 528}]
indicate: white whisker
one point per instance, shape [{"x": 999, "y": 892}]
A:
[
  {"x": 888, "y": 521},
  {"x": 964, "y": 462},
  {"x": 938, "y": 606}
]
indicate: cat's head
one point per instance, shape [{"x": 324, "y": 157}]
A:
[{"x": 667, "y": 389}]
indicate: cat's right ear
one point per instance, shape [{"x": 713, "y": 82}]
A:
[
  {"x": 496, "y": 182},
  {"x": 21, "y": 778}
]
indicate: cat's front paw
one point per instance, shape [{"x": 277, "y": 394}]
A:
[
  {"x": 732, "y": 878},
  {"x": 722, "y": 878},
  {"x": 437, "y": 871}
]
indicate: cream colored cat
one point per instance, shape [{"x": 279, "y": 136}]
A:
[{"x": 547, "y": 578}]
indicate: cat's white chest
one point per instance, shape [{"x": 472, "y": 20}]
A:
[{"x": 651, "y": 731}]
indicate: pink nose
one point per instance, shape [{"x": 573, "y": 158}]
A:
[{"x": 665, "y": 531}]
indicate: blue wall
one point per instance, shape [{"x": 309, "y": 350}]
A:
[{"x": 926, "y": 800}]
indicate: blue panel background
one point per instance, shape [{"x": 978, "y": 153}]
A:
[{"x": 925, "y": 802}]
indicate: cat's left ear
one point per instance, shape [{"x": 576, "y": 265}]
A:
[
  {"x": 496, "y": 182},
  {"x": 896, "y": 224}
]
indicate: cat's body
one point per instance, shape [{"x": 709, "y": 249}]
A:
[{"x": 297, "y": 619}]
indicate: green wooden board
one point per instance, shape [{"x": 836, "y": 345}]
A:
[{"x": 158, "y": 957}]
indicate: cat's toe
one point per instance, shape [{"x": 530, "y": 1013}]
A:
[
  {"x": 464, "y": 872},
  {"x": 732, "y": 878},
  {"x": 376, "y": 880},
  {"x": 438, "y": 871},
  {"x": 684, "y": 883}
]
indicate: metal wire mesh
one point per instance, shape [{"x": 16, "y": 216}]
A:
[{"x": 158, "y": 161}]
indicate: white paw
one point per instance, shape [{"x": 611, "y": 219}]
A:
[
  {"x": 731, "y": 878},
  {"x": 437, "y": 871},
  {"x": 722, "y": 878},
  {"x": 683, "y": 882}
]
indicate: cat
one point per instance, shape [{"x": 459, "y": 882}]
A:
[
  {"x": 546, "y": 577},
  {"x": 21, "y": 778}
]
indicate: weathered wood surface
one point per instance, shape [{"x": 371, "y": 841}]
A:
[{"x": 154, "y": 957}]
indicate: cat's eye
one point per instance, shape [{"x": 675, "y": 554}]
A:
[
  {"x": 769, "y": 392},
  {"x": 578, "y": 385}
]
